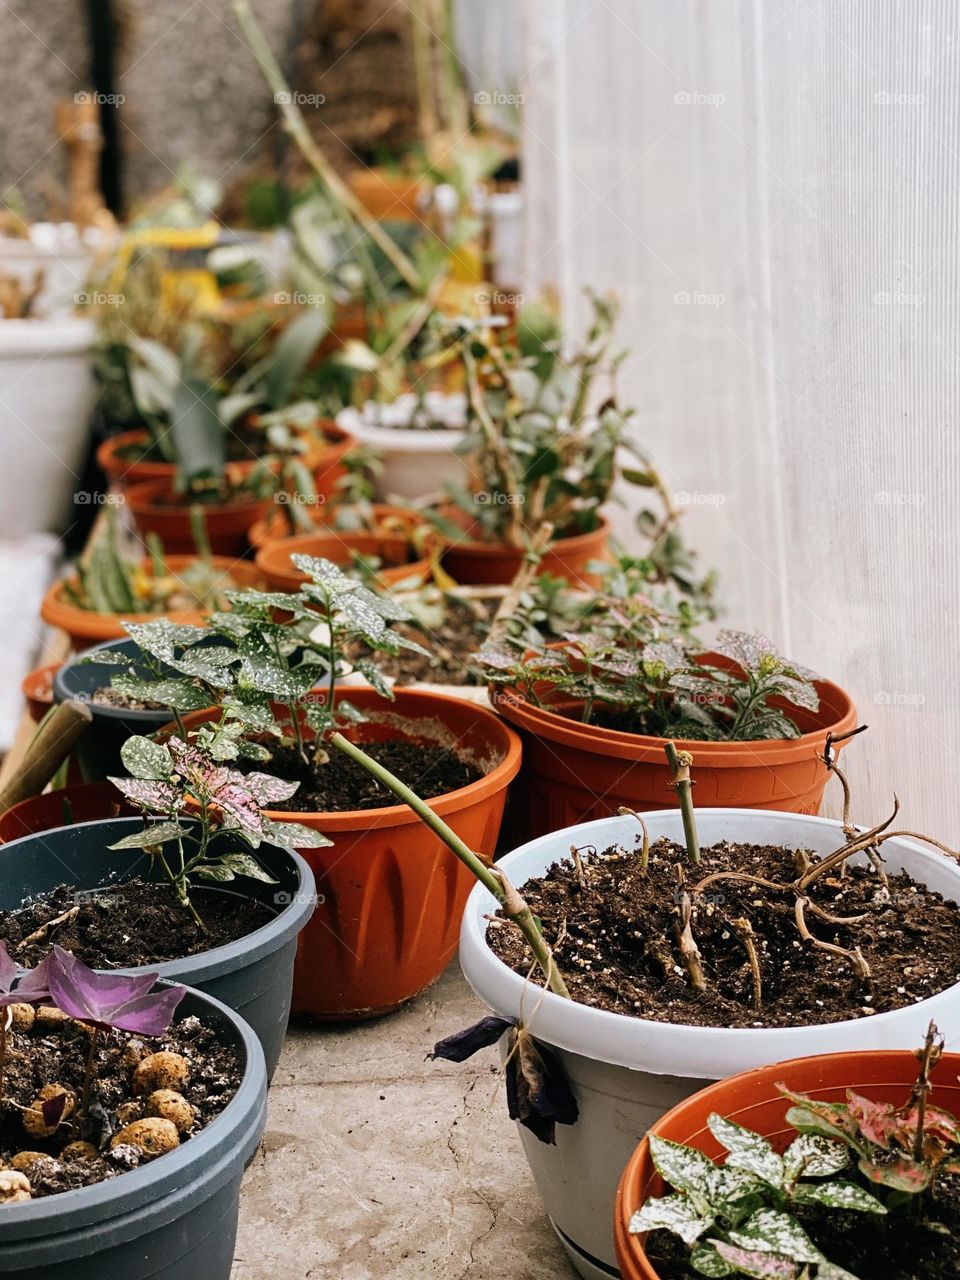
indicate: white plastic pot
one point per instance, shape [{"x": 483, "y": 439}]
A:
[
  {"x": 416, "y": 460},
  {"x": 46, "y": 395},
  {"x": 626, "y": 1072},
  {"x": 62, "y": 253}
]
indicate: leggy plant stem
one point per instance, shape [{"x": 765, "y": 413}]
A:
[
  {"x": 513, "y": 904},
  {"x": 334, "y": 186},
  {"x": 7, "y": 1019},
  {"x": 680, "y": 762},
  {"x": 88, "y": 1072}
]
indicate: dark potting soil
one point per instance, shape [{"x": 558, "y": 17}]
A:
[
  {"x": 340, "y": 784},
  {"x": 107, "y": 696},
  {"x": 54, "y": 1051},
  {"x": 450, "y": 645},
  {"x": 131, "y": 923},
  {"x": 894, "y": 1247},
  {"x": 619, "y": 950}
]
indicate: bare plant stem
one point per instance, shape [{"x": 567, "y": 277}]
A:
[
  {"x": 515, "y": 908},
  {"x": 88, "y": 1072},
  {"x": 680, "y": 762},
  {"x": 855, "y": 957},
  {"x": 689, "y": 951},
  {"x": 296, "y": 126},
  {"x": 861, "y": 842},
  {"x": 4, "y": 1028},
  {"x": 929, "y": 1056},
  {"x": 624, "y": 812},
  {"x": 744, "y": 931}
]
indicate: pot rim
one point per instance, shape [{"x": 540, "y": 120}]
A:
[
  {"x": 147, "y": 496},
  {"x": 575, "y": 542},
  {"x": 676, "y": 1049},
  {"x": 235, "y": 1133},
  {"x": 273, "y": 558}
]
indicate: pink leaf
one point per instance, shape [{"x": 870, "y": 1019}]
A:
[
  {"x": 756, "y": 1263},
  {"x": 901, "y": 1175},
  {"x": 878, "y": 1121}
]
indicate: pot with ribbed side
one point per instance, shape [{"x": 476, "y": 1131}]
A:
[
  {"x": 174, "y": 1218},
  {"x": 753, "y": 1100},
  {"x": 575, "y": 772},
  {"x": 625, "y": 1072},
  {"x": 252, "y": 974},
  {"x": 390, "y": 895}
]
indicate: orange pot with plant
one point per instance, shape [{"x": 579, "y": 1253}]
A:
[
  {"x": 379, "y": 518},
  {"x": 390, "y": 895},
  {"x": 393, "y": 557},
  {"x": 752, "y": 1100},
  {"x": 65, "y": 605},
  {"x": 471, "y": 559},
  {"x": 157, "y": 508}
]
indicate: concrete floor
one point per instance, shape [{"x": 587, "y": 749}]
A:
[{"x": 379, "y": 1165}]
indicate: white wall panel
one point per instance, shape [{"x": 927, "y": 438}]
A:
[{"x": 790, "y": 168}]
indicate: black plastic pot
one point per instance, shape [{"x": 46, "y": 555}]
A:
[
  {"x": 98, "y": 749},
  {"x": 172, "y": 1219},
  {"x": 253, "y": 976}
]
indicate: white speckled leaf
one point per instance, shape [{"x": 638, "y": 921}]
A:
[
  {"x": 839, "y": 1195},
  {"x": 670, "y": 1213},
  {"x": 144, "y": 758},
  {"x": 813, "y": 1156},
  {"x": 748, "y": 1151},
  {"x": 772, "y": 1231}
]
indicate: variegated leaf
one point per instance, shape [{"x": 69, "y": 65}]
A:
[
  {"x": 670, "y": 1213},
  {"x": 751, "y": 1262},
  {"x": 146, "y": 759},
  {"x": 772, "y": 1231},
  {"x": 242, "y": 864},
  {"x": 748, "y": 1151},
  {"x": 268, "y": 790},
  {"x": 685, "y": 1169},
  {"x": 155, "y": 797},
  {"x": 157, "y": 833},
  {"x": 839, "y": 1194},
  {"x": 294, "y": 835},
  {"x": 813, "y": 1156},
  {"x": 705, "y": 1260}
]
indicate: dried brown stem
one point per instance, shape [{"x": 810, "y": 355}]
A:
[
  {"x": 578, "y": 866},
  {"x": 857, "y": 845},
  {"x": 689, "y": 951},
  {"x": 928, "y": 1055},
  {"x": 41, "y": 934},
  {"x": 743, "y": 929},
  {"x": 855, "y": 957},
  {"x": 624, "y": 812}
]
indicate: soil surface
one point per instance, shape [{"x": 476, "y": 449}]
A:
[
  {"x": 131, "y": 923},
  {"x": 55, "y": 1052},
  {"x": 865, "y": 1244},
  {"x": 341, "y": 785},
  {"x": 619, "y": 949},
  {"x": 450, "y": 645},
  {"x": 107, "y": 696}
]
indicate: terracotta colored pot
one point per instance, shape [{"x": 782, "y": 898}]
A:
[
  {"x": 122, "y": 472},
  {"x": 86, "y": 627},
  {"x": 38, "y": 690},
  {"x": 573, "y": 772},
  {"x": 390, "y": 892},
  {"x": 482, "y": 563},
  {"x": 751, "y": 1099},
  {"x": 84, "y": 802},
  {"x": 157, "y": 509},
  {"x": 399, "y": 559},
  {"x": 391, "y": 197},
  {"x": 386, "y": 518},
  {"x": 326, "y": 462}
]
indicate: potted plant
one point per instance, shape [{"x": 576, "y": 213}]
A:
[
  {"x": 153, "y": 1102},
  {"x": 157, "y": 900},
  {"x": 108, "y": 588},
  {"x": 540, "y": 453},
  {"x": 62, "y": 807},
  {"x": 730, "y": 938},
  {"x": 386, "y": 558},
  {"x": 836, "y": 1164},
  {"x": 390, "y": 899},
  {"x": 596, "y": 709}
]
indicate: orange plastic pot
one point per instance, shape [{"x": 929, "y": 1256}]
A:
[
  {"x": 479, "y": 563},
  {"x": 157, "y": 509},
  {"x": 38, "y": 690},
  {"x": 123, "y": 471},
  {"x": 395, "y": 551},
  {"x": 385, "y": 519},
  {"x": 391, "y": 197},
  {"x": 84, "y": 802},
  {"x": 87, "y": 627},
  {"x": 751, "y": 1099},
  {"x": 326, "y": 462},
  {"x": 390, "y": 893},
  {"x": 573, "y": 772}
]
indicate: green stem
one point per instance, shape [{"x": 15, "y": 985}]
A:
[
  {"x": 497, "y": 884},
  {"x": 680, "y": 762},
  {"x": 180, "y": 889},
  {"x": 198, "y": 527}
]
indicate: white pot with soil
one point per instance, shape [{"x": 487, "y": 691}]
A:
[
  {"x": 46, "y": 395},
  {"x": 626, "y": 1071},
  {"x": 417, "y": 440}
]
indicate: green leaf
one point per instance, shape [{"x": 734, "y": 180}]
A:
[
  {"x": 178, "y": 695},
  {"x": 292, "y": 353},
  {"x": 245, "y": 865},
  {"x": 156, "y": 834},
  {"x": 294, "y": 835},
  {"x": 199, "y": 437},
  {"x": 838, "y": 1195},
  {"x": 805, "y": 1120},
  {"x": 813, "y": 1156},
  {"x": 214, "y": 871},
  {"x": 670, "y": 1213},
  {"x": 146, "y": 759},
  {"x": 748, "y": 1151},
  {"x": 773, "y": 1231},
  {"x": 162, "y": 637},
  {"x": 685, "y": 1169},
  {"x": 830, "y": 1271}
]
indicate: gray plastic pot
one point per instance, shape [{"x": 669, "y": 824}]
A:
[
  {"x": 172, "y": 1219},
  {"x": 253, "y": 975},
  {"x": 98, "y": 749}
]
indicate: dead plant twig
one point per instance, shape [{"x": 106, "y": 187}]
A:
[
  {"x": 744, "y": 931},
  {"x": 855, "y": 957}
]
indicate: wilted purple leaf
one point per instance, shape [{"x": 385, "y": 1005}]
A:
[
  {"x": 52, "y": 1110},
  {"x": 110, "y": 999},
  {"x": 464, "y": 1044},
  {"x": 32, "y": 987},
  {"x": 8, "y": 970},
  {"x": 538, "y": 1095}
]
